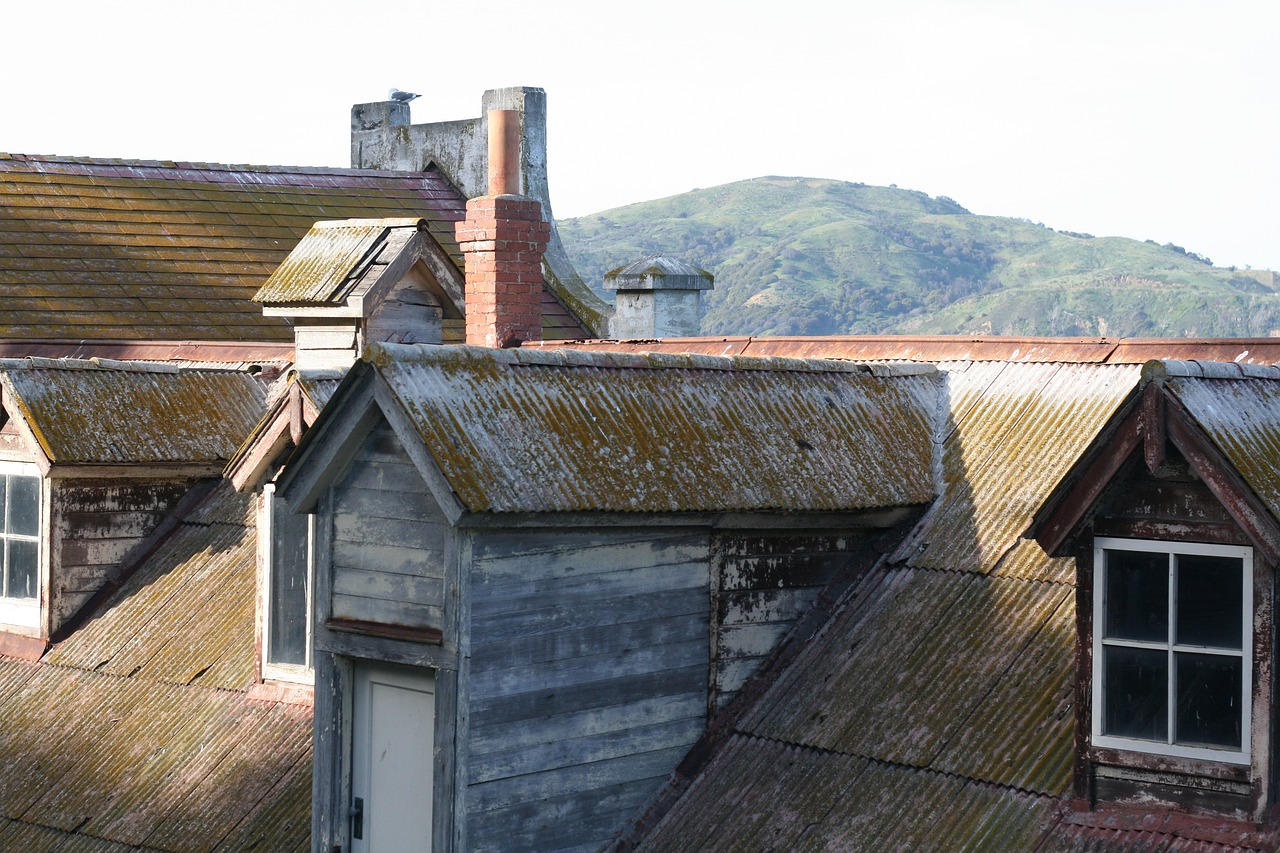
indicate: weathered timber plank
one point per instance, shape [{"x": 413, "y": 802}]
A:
[
  {"x": 537, "y": 592},
  {"x": 574, "y": 614},
  {"x": 504, "y": 793},
  {"x": 485, "y": 739},
  {"x": 736, "y": 641},
  {"x": 781, "y": 571},
  {"x": 564, "y": 645},
  {"x": 765, "y": 605},
  {"x": 554, "y": 822},
  {"x": 381, "y": 477},
  {"x": 499, "y": 710},
  {"x": 732, "y": 674},
  {"x": 560, "y": 552},
  {"x": 393, "y": 559},
  {"x": 389, "y": 587},
  {"x": 742, "y": 544},
  {"x": 572, "y": 673},
  {"x": 387, "y": 612},
  {"x": 112, "y": 524},
  {"x": 88, "y": 552},
  {"x": 569, "y": 751},
  {"x": 425, "y": 533}
]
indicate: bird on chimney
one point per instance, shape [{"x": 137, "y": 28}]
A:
[{"x": 400, "y": 97}]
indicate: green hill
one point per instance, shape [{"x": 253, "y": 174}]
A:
[{"x": 807, "y": 256}]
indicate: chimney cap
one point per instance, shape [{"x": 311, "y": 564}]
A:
[{"x": 659, "y": 272}]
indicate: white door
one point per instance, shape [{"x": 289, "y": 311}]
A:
[{"x": 393, "y": 733}]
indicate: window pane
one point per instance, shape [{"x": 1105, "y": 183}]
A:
[
  {"x": 288, "y": 640},
  {"x": 1135, "y": 690},
  {"x": 1137, "y": 596},
  {"x": 1210, "y": 599},
  {"x": 4, "y": 483},
  {"x": 24, "y": 506},
  {"x": 1208, "y": 699},
  {"x": 24, "y": 569}
]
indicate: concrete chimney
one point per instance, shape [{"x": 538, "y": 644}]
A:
[
  {"x": 657, "y": 297},
  {"x": 503, "y": 240}
]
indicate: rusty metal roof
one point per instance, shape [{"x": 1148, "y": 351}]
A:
[
  {"x": 142, "y": 250},
  {"x": 940, "y": 348},
  {"x": 138, "y": 731},
  {"x": 85, "y": 412},
  {"x": 327, "y": 262},
  {"x": 539, "y": 431}
]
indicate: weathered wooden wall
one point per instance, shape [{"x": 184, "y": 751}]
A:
[
  {"x": 589, "y": 655},
  {"x": 388, "y": 540},
  {"x": 93, "y": 525},
  {"x": 765, "y": 581}
]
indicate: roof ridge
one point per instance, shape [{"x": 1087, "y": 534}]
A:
[
  {"x": 188, "y": 165},
  {"x": 1168, "y": 368},
  {"x": 569, "y": 357},
  {"x": 37, "y": 362}
]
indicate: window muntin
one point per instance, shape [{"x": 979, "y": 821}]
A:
[
  {"x": 287, "y": 614},
  {"x": 1173, "y": 633},
  {"x": 19, "y": 544}
]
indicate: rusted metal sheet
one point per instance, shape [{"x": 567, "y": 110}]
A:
[
  {"x": 1229, "y": 350},
  {"x": 1013, "y": 442},
  {"x": 83, "y": 413},
  {"x": 563, "y": 430},
  {"x": 133, "y": 250},
  {"x": 328, "y": 261}
]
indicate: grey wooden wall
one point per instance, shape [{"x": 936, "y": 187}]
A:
[
  {"x": 765, "y": 581},
  {"x": 388, "y": 540},
  {"x": 588, "y": 679},
  {"x": 93, "y": 525}
]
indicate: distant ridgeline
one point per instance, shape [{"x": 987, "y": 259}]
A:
[{"x": 802, "y": 256}]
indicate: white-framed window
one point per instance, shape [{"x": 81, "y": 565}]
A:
[
  {"x": 286, "y": 629},
  {"x": 20, "y": 538},
  {"x": 1172, "y": 648}
]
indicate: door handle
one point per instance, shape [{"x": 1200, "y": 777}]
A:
[{"x": 357, "y": 818}]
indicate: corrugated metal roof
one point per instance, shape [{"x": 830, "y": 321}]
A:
[
  {"x": 326, "y": 263},
  {"x": 959, "y": 641},
  {"x": 764, "y": 795},
  {"x": 82, "y": 413},
  {"x": 539, "y": 431},
  {"x": 1018, "y": 429},
  {"x": 114, "y": 249},
  {"x": 137, "y": 733},
  {"x": 1242, "y": 417}
]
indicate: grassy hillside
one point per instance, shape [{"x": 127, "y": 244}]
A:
[{"x": 809, "y": 256}]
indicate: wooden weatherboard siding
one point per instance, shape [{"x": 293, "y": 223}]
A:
[
  {"x": 388, "y": 540},
  {"x": 765, "y": 581},
  {"x": 93, "y": 527},
  {"x": 588, "y": 679}
]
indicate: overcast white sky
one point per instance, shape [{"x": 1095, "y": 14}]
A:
[{"x": 1143, "y": 118}]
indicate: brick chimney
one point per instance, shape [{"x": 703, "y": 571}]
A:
[{"x": 503, "y": 240}]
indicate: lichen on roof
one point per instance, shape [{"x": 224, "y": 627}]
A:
[
  {"x": 564, "y": 430},
  {"x": 327, "y": 262}
]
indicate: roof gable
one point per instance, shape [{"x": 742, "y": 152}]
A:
[
  {"x": 91, "y": 413},
  {"x": 1224, "y": 419},
  {"x": 514, "y": 431}
]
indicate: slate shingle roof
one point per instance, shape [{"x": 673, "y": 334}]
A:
[{"x": 144, "y": 250}]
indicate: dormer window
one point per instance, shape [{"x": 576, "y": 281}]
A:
[
  {"x": 1172, "y": 647},
  {"x": 20, "y": 508}
]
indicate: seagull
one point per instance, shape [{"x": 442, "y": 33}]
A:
[{"x": 401, "y": 97}]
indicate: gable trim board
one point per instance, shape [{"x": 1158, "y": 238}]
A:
[{"x": 1152, "y": 416}]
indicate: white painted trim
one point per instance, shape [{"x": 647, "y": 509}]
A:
[
  {"x": 1100, "y": 739},
  {"x": 302, "y": 674},
  {"x": 25, "y": 612}
]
